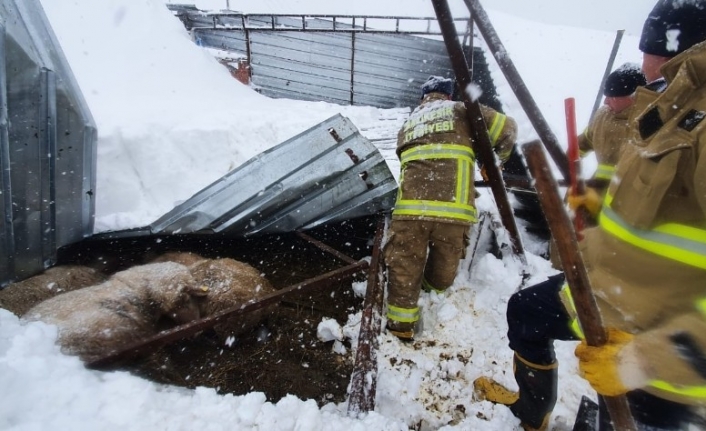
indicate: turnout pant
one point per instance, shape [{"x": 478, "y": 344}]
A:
[
  {"x": 420, "y": 253},
  {"x": 536, "y": 317}
]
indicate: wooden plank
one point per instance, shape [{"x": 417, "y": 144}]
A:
[
  {"x": 574, "y": 269},
  {"x": 364, "y": 375}
]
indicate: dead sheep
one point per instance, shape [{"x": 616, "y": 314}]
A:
[
  {"x": 186, "y": 258},
  {"x": 19, "y": 297},
  {"x": 129, "y": 306},
  {"x": 231, "y": 284}
]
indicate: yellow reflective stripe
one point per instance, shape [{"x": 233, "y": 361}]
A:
[
  {"x": 438, "y": 151},
  {"x": 463, "y": 181},
  {"x": 452, "y": 210},
  {"x": 674, "y": 241},
  {"x": 496, "y": 127},
  {"x": 575, "y": 325},
  {"x": 604, "y": 172},
  {"x": 399, "y": 314},
  {"x": 698, "y": 392},
  {"x": 608, "y": 200},
  {"x": 701, "y": 306},
  {"x": 428, "y": 287}
]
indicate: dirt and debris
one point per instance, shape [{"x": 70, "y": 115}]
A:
[{"x": 281, "y": 356}]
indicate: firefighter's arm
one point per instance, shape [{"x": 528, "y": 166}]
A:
[
  {"x": 502, "y": 131},
  {"x": 586, "y": 141},
  {"x": 673, "y": 354},
  {"x": 670, "y": 357}
]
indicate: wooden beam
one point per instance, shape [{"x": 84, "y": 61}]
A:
[{"x": 364, "y": 375}]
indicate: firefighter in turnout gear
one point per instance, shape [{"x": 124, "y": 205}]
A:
[
  {"x": 646, "y": 259},
  {"x": 434, "y": 209},
  {"x": 606, "y": 135},
  {"x": 608, "y": 130}
]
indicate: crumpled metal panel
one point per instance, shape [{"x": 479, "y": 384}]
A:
[{"x": 328, "y": 173}]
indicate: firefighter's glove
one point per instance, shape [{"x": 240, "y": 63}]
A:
[
  {"x": 590, "y": 199},
  {"x": 613, "y": 368}
]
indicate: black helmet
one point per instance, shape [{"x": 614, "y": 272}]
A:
[
  {"x": 674, "y": 26},
  {"x": 438, "y": 84},
  {"x": 624, "y": 80}
]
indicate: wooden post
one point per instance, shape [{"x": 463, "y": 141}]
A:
[
  {"x": 574, "y": 269},
  {"x": 364, "y": 375},
  {"x": 481, "y": 141},
  {"x": 518, "y": 86}
]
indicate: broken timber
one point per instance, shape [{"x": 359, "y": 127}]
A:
[
  {"x": 145, "y": 346},
  {"x": 481, "y": 140},
  {"x": 518, "y": 86},
  {"x": 364, "y": 375},
  {"x": 574, "y": 269}
]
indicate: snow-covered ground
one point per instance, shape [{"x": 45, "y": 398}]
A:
[{"x": 171, "y": 120}]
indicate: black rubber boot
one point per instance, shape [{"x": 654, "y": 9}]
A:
[
  {"x": 537, "y": 394},
  {"x": 538, "y": 387}
]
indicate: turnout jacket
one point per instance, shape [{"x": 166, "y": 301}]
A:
[
  {"x": 647, "y": 258},
  {"x": 606, "y": 135},
  {"x": 437, "y": 160}
]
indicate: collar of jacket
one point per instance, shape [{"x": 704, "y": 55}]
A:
[
  {"x": 685, "y": 73},
  {"x": 625, "y": 113},
  {"x": 431, "y": 97}
]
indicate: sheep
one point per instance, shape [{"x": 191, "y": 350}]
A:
[
  {"x": 186, "y": 258},
  {"x": 20, "y": 296},
  {"x": 127, "y": 307},
  {"x": 230, "y": 284}
]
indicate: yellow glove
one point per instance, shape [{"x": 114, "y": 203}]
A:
[
  {"x": 599, "y": 365},
  {"x": 590, "y": 200}
]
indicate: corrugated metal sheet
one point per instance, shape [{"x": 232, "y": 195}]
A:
[
  {"x": 304, "y": 66},
  {"x": 325, "y": 174},
  {"x": 351, "y": 68},
  {"x": 389, "y": 69},
  {"x": 47, "y": 145}
]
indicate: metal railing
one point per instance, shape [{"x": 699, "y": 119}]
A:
[{"x": 195, "y": 19}]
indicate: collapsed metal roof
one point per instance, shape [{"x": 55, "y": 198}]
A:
[{"x": 325, "y": 174}]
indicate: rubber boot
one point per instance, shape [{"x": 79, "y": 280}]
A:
[{"x": 536, "y": 397}]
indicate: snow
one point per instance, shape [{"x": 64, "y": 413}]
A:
[{"x": 171, "y": 120}]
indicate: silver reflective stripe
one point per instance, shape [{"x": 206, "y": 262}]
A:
[
  {"x": 437, "y": 151},
  {"x": 678, "y": 242},
  {"x": 435, "y": 209}
]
